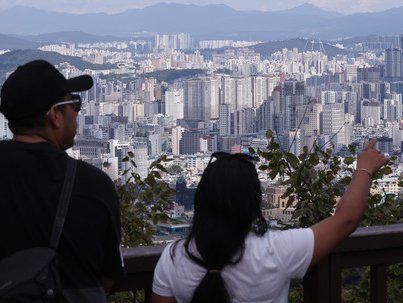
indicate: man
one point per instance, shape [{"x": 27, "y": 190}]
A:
[{"x": 41, "y": 110}]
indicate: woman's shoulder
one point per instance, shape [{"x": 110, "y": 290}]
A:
[
  {"x": 291, "y": 233},
  {"x": 290, "y": 249},
  {"x": 280, "y": 238},
  {"x": 174, "y": 249}
]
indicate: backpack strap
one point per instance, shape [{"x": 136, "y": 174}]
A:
[{"x": 64, "y": 202}]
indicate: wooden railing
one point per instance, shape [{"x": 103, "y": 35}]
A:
[
  {"x": 140, "y": 263},
  {"x": 377, "y": 247}
]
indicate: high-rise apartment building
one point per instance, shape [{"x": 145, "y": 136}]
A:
[
  {"x": 352, "y": 106},
  {"x": 178, "y": 41},
  {"x": 333, "y": 123},
  {"x": 262, "y": 88},
  {"x": 184, "y": 41},
  {"x": 265, "y": 116},
  {"x": 369, "y": 74},
  {"x": 385, "y": 145},
  {"x": 296, "y": 139},
  {"x": 110, "y": 166},
  {"x": 243, "y": 92},
  {"x": 5, "y": 132},
  {"x": 176, "y": 138},
  {"x": 201, "y": 99},
  {"x": 350, "y": 73},
  {"x": 395, "y": 133},
  {"x": 327, "y": 97},
  {"x": 368, "y": 90},
  {"x": 155, "y": 141},
  {"x": 237, "y": 91},
  {"x": 190, "y": 142},
  {"x": 309, "y": 118},
  {"x": 292, "y": 94},
  {"x": 392, "y": 108},
  {"x": 228, "y": 91},
  {"x": 393, "y": 64},
  {"x": 140, "y": 157},
  {"x": 225, "y": 120},
  {"x": 138, "y": 110},
  {"x": 243, "y": 121},
  {"x": 174, "y": 103},
  {"x": 370, "y": 113}
]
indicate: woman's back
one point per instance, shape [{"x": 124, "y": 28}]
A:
[
  {"x": 236, "y": 259},
  {"x": 262, "y": 275}
]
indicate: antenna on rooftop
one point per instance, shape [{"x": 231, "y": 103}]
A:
[{"x": 306, "y": 44}]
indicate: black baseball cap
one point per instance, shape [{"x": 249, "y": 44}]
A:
[{"x": 34, "y": 87}]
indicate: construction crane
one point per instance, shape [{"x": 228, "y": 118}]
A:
[{"x": 312, "y": 43}]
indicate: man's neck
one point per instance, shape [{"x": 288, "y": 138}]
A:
[
  {"x": 33, "y": 138},
  {"x": 29, "y": 139}
]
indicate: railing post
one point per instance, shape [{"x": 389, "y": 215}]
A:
[
  {"x": 317, "y": 282},
  {"x": 378, "y": 284},
  {"x": 335, "y": 279}
]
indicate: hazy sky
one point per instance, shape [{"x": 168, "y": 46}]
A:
[{"x": 112, "y": 6}]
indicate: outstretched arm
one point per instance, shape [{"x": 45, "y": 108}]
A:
[{"x": 331, "y": 231}]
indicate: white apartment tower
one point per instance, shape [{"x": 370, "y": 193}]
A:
[
  {"x": 5, "y": 132},
  {"x": 176, "y": 138},
  {"x": 370, "y": 113},
  {"x": 201, "y": 99},
  {"x": 308, "y": 118},
  {"x": 333, "y": 123},
  {"x": 174, "y": 104}
]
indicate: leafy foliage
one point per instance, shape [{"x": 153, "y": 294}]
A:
[
  {"x": 144, "y": 203},
  {"x": 317, "y": 178}
]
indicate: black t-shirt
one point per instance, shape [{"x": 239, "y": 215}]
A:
[{"x": 31, "y": 179}]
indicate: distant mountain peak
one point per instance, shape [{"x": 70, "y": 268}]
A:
[
  {"x": 24, "y": 8},
  {"x": 306, "y": 8},
  {"x": 188, "y": 5},
  {"x": 307, "y": 5}
]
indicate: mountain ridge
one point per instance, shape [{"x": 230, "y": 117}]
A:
[
  {"x": 213, "y": 21},
  {"x": 11, "y": 60},
  {"x": 200, "y": 21}
]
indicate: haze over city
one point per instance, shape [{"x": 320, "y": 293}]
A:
[{"x": 113, "y": 6}]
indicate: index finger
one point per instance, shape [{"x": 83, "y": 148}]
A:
[{"x": 371, "y": 143}]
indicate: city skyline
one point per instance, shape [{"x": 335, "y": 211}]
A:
[
  {"x": 182, "y": 97},
  {"x": 108, "y": 6}
]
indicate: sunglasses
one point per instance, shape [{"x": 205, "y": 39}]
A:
[
  {"x": 75, "y": 102},
  {"x": 223, "y": 155}
]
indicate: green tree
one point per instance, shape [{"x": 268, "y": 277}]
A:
[{"x": 143, "y": 203}]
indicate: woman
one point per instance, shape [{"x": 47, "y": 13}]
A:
[{"x": 229, "y": 256}]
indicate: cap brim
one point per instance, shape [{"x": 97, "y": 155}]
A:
[{"x": 79, "y": 84}]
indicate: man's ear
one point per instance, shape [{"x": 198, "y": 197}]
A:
[{"x": 55, "y": 117}]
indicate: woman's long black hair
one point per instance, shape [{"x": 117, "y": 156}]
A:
[{"x": 227, "y": 207}]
